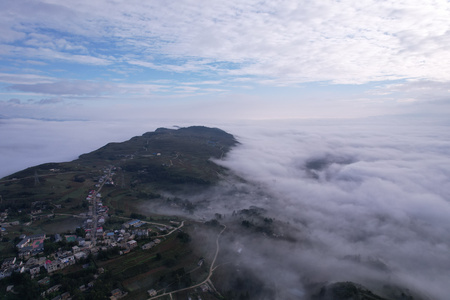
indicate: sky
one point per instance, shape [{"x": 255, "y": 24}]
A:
[{"x": 117, "y": 60}]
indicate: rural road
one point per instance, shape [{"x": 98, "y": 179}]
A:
[{"x": 211, "y": 270}]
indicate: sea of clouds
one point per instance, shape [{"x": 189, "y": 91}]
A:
[{"x": 369, "y": 200}]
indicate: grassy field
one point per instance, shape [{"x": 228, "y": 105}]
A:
[{"x": 164, "y": 266}]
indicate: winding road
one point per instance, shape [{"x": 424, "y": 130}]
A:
[{"x": 211, "y": 271}]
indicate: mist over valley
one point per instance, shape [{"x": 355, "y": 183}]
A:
[{"x": 363, "y": 202}]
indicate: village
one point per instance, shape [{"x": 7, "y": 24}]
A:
[{"x": 92, "y": 239}]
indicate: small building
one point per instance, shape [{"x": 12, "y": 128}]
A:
[
  {"x": 44, "y": 281},
  {"x": 116, "y": 292},
  {"x": 57, "y": 238},
  {"x": 23, "y": 243},
  {"x": 132, "y": 244},
  {"x": 54, "y": 288},
  {"x": 81, "y": 241},
  {"x": 124, "y": 251},
  {"x": 80, "y": 255},
  {"x": 148, "y": 246},
  {"x": 131, "y": 223},
  {"x": 31, "y": 245},
  {"x": 67, "y": 261},
  {"x": 34, "y": 270},
  {"x": 8, "y": 262},
  {"x": 36, "y": 237},
  {"x": 53, "y": 266},
  {"x": 71, "y": 238},
  {"x": 6, "y": 272}
]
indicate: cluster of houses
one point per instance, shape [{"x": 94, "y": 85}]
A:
[
  {"x": 125, "y": 237},
  {"x": 3, "y": 216},
  {"x": 106, "y": 178},
  {"x": 31, "y": 248},
  {"x": 34, "y": 266},
  {"x": 31, "y": 245},
  {"x": 4, "y": 224},
  {"x": 100, "y": 211}
]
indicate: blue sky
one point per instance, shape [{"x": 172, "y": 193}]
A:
[{"x": 223, "y": 59}]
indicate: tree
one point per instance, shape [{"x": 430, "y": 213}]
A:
[
  {"x": 50, "y": 247},
  {"x": 184, "y": 237},
  {"x": 170, "y": 262},
  {"x": 246, "y": 223},
  {"x": 80, "y": 232}
]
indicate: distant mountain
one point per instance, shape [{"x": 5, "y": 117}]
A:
[
  {"x": 167, "y": 156},
  {"x": 167, "y": 159}
]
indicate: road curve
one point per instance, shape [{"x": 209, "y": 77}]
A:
[{"x": 211, "y": 270}]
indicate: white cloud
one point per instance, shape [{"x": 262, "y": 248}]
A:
[
  {"x": 376, "y": 189},
  {"x": 25, "y": 78},
  {"x": 190, "y": 66},
  {"x": 418, "y": 90},
  {"x": 78, "y": 87},
  {"x": 50, "y": 101},
  {"x": 341, "y": 42}
]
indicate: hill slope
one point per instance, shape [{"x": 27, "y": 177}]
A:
[{"x": 166, "y": 159}]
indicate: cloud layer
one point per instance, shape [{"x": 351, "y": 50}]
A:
[
  {"x": 366, "y": 201},
  {"x": 338, "y": 41}
]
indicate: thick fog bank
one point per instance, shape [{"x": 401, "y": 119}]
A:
[{"x": 367, "y": 201}]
